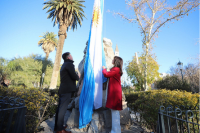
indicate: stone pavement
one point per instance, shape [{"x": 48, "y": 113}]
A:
[{"x": 135, "y": 128}]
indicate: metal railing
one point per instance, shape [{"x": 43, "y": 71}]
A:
[
  {"x": 178, "y": 120},
  {"x": 12, "y": 115}
]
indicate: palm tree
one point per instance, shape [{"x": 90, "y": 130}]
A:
[
  {"x": 48, "y": 42},
  {"x": 67, "y": 14}
]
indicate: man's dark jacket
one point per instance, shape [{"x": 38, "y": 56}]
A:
[{"x": 68, "y": 77}]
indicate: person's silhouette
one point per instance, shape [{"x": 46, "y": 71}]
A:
[{"x": 3, "y": 84}]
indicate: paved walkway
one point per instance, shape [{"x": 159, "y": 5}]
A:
[{"x": 134, "y": 128}]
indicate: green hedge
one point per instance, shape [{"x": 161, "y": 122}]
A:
[
  {"x": 147, "y": 103},
  {"x": 41, "y": 104}
]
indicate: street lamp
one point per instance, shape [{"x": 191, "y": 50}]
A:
[
  {"x": 180, "y": 66},
  {"x": 43, "y": 74}
]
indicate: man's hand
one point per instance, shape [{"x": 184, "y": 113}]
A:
[{"x": 104, "y": 67}]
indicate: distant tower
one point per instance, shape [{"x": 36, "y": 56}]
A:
[{"x": 116, "y": 51}]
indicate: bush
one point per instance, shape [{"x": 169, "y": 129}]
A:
[
  {"x": 147, "y": 103},
  {"x": 40, "y": 105},
  {"x": 51, "y": 110},
  {"x": 173, "y": 83}
]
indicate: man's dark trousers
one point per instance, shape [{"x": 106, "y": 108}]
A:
[{"x": 64, "y": 100}]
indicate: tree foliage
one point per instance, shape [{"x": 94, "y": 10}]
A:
[
  {"x": 190, "y": 75},
  {"x": 27, "y": 71},
  {"x": 136, "y": 71},
  {"x": 48, "y": 42},
  {"x": 173, "y": 82},
  {"x": 3, "y": 71},
  {"x": 6, "y": 68},
  {"x": 69, "y": 12}
]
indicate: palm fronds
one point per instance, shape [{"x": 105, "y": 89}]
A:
[{"x": 69, "y": 12}]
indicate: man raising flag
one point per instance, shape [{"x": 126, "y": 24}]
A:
[{"x": 91, "y": 94}]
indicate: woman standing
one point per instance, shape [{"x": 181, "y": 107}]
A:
[{"x": 114, "y": 97}]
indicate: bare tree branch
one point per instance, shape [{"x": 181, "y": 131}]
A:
[
  {"x": 149, "y": 6},
  {"x": 151, "y": 22},
  {"x": 123, "y": 16},
  {"x": 174, "y": 17}
]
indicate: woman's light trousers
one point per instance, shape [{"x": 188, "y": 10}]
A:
[{"x": 116, "y": 128}]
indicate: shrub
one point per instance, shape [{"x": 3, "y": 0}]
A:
[
  {"x": 38, "y": 102},
  {"x": 51, "y": 110},
  {"x": 147, "y": 103},
  {"x": 127, "y": 89},
  {"x": 173, "y": 83}
]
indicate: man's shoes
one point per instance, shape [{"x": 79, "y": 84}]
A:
[{"x": 63, "y": 131}]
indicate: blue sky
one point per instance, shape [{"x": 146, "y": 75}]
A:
[{"x": 22, "y": 22}]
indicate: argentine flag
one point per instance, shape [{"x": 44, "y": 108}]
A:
[{"x": 91, "y": 94}]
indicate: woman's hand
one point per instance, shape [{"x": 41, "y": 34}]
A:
[{"x": 103, "y": 67}]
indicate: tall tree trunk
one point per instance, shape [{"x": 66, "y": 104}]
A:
[
  {"x": 145, "y": 69},
  {"x": 47, "y": 55},
  {"x": 62, "y": 36}
]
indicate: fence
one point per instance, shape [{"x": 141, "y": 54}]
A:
[
  {"x": 12, "y": 115},
  {"x": 178, "y": 120}
]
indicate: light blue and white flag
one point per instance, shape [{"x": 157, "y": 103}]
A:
[{"x": 91, "y": 94}]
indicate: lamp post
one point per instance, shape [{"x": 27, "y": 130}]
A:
[
  {"x": 180, "y": 66},
  {"x": 43, "y": 74}
]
